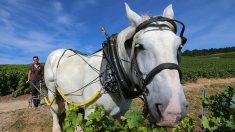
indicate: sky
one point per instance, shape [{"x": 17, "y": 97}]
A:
[{"x": 37, "y": 27}]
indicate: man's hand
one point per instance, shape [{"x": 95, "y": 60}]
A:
[{"x": 27, "y": 81}]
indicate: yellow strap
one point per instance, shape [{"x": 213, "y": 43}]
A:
[
  {"x": 48, "y": 102},
  {"x": 75, "y": 104}
]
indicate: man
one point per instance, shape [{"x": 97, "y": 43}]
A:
[{"x": 35, "y": 75}]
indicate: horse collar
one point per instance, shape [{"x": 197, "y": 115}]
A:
[{"x": 112, "y": 74}]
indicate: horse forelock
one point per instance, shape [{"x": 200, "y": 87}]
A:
[{"x": 125, "y": 35}]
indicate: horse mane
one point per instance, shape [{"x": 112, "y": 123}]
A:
[
  {"x": 122, "y": 37},
  {"x": 125, "y": 35}
]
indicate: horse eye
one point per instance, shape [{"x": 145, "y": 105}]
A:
[{"x": 140, "y": 46}]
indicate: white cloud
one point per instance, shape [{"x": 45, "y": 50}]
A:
[
  {"x": 61, "y": 16},
  {"x": 81, "y": 4},
  {"x": 215, "y": 35},
  {"x": 208, "y": 24},
  {"x": 32, "y": 44},
  {"x": 64, "y": 19},
  {"x": 57, "y": 6},
  {"x": 27, "y": 38}
]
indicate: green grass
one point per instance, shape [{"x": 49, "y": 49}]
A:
[
  {"x": 224, "y": 55},
  {"x": 212, "y": 66},
  {"x": 10, "y": 68}
]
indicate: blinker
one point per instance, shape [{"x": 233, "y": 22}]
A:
[{"x": 183, "y": 40}]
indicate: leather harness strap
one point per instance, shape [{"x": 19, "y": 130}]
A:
[
  {"x": 155, "y": 19},
  {"x": 159, "y": 68}
]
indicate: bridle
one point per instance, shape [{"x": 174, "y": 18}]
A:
[
  {"x": 152, "y": 22},
  {"x": 129, "y": 87},
  {"x": 142, "y": 82}
]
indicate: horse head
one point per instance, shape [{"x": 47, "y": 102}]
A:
[{"x": 154, "y": 46}]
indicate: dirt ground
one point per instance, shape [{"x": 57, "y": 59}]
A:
[
  {"x": 16, "y": 115},
  {"x": 9, "y": 103}
]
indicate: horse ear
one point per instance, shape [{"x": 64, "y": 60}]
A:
[
  {"x": 132, "y": 16},
  {"x": 168, "y": 12}
]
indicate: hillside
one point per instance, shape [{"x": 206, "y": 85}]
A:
[
  {"x": 219, "y": 65},
  {"x": 195, "y": 70},
  {"x": 206, "y": 52},
  {"x": 224, "y": 55}
]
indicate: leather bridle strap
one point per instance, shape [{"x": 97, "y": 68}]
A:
[
  {"x": 160, "y": 18},
  {"x": 159, "y": 68},
  {"x": 156, "y": 19}
]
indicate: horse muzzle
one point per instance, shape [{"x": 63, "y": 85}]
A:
[
  {"x": 165, "y": 117},
  {"x": 168, "y": 123}
]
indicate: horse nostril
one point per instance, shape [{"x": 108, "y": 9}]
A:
[
  {"x": 158, "y": 107},
  {"x": 186, "y": 105},
  {"x": 178, "y": 119}
]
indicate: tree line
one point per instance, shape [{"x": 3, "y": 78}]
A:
[{"x": 205, "y": 52}]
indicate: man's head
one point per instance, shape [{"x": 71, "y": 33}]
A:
[{"x": 35, "y": 59}]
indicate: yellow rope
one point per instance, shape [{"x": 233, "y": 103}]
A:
[
  {"x": 48, "y": 102},
  {"x": 75, "y": 104}
]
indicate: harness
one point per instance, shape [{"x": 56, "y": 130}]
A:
[
  {"x": 61, "y": 92},
  {"x": 115, "y": 77}
]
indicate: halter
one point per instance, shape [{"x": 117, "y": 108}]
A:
[{"x": 112, "y": 68}]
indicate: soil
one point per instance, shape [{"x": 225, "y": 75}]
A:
[{"x": 16, "y": 115}]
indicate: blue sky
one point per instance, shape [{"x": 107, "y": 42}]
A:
[{"x": 37, "y": 27}]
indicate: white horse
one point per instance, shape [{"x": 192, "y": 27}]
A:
[{"x": 154, "y": 45}]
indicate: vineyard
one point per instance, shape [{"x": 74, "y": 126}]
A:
[
  {"x": 12, "y": 79},
  {"x": 222, "y": 65},
  {"x": 213, "y": 66},
  {"x": 220, "y": 117}
]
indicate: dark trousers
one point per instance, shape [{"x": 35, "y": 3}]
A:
[{"x": 35, "y": 92}]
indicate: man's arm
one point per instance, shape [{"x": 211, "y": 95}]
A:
[
  {"x": 29, "y": 75},
  {"x": 42, "y": 73}
]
